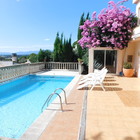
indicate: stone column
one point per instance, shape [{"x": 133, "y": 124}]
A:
[{"x": 91, "y": 60}]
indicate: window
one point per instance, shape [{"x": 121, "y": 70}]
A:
[{"x": 129, "y": 58}]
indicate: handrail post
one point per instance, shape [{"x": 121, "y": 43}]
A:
[{"x": 60, "y": 100}]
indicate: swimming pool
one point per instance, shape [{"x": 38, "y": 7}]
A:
[{"x": 21, "y": 101}]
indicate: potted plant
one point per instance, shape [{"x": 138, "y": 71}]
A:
[
  {"x": 80, "y": 60},
  {"x": 128, "y": 71}
]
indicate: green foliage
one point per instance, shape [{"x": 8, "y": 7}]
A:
[
  {"x": 48, "y": 55},
  {"x": 2, "y": 58},
  {"x": 85, "y": 58},
  {"x": 127, "y": 65},
  {"x": 81, "y": 52},
  {"x": 33, "y": 58},
  {"x": 57, "y": 53},
  {"x": 63, "y": 50},
  {"x": 79, "y": 36},
  {"x": 44, "y": 55},
  {"x": 22, "y": 59},
  {"x": 41, "y": 55},
  {"x": 67, "y": 51}
]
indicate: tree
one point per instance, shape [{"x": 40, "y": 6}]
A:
[
  {"x": 57, "y": 49},
  {"x": 79, "y": 36},
  {"x": 68, "y": 50},
  {"x": 44, "y": 55},
  {"x": 80, "y": 51},
  {"x": 41, "y": 55},
  {"x": 60, "y": 48},
  {"x": 33, "y": 58},
  {"x": 22, "y": 59},
  {"x": 112, "y": 28},
  {"x": 2, "y": 58},
  {"x": 63, "y": 51},
  {"x": 48, "y": 55}
]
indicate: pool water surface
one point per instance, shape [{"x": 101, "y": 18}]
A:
[{"x": 21, "y": 101}]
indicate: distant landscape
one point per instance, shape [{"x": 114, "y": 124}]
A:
[{"x": 19, "y": 53}]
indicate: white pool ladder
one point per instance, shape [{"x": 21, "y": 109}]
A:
[{"x": 51, "y": 95}]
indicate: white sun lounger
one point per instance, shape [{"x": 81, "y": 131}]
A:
[
  {"x": 91, "y": 74},
  {"x": 94, "y": 81}
]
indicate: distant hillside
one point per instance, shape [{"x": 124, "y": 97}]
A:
[
  {"x": 19, "y": 53},
  {"x": 27, "y": 53},
  {"x": 5, "y": 53}
]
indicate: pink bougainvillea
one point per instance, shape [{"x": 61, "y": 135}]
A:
[{"x": 112, "y": 28}]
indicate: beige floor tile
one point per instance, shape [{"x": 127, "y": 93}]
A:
[{"x": 117, "y": 111}]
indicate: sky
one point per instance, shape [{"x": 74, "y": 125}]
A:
[{"x": 31, "y": 25}]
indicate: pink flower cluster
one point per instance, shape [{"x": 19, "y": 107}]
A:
[{"x": 112, "y": 28}]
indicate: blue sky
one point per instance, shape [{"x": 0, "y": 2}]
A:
[{"x": 28, "y": 25}]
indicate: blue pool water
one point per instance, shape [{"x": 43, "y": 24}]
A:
[{"x": 21, "y": 101}]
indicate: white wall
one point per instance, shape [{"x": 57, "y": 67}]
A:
[
  {"x": 5, "y": 63},
  {"x": 130, "y": 50},
  {"x": 137, "y": 9},
  {"x": 120, "y": 60},
  {"x": 90, "y": 60},
  {"x": 137, "y": 58}
]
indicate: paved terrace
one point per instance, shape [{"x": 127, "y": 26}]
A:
[
  {"x": 111, "y": 115},
  {"x": 114, "y": 114}
]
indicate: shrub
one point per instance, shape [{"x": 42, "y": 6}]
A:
[{"x": 112, "y": 28}]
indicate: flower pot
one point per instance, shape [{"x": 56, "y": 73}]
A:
[{"x": 128, "y": 72}]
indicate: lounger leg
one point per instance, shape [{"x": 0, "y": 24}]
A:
[
  {"x": 102, "y": 86},
  {"x": 91, "y": 88}
]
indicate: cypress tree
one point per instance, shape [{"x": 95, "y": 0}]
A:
[
  {"x": 68, "y": 50},
  {"x": 56, "y": 48},
  {"x": 61, "y": 58},
  {"x": 79, "y": 49},
  {"x": 71, "y": 53},
  {"x": 85, "y": 50},
  {"x": 63, "y": 50},
  {"x": 87, "y": 17}
]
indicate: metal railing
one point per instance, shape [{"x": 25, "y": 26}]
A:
[
  {"x": 51, "y": 95},
  {"x": 63, "y": 92}
]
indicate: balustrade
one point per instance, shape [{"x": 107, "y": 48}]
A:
[
  {"x": 10, "y": 72},
  {"x": 62, "y": 65}
]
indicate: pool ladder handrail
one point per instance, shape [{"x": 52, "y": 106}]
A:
[
  {"x": 63, "y": 92},
  {"x": 51, "y": 95}
]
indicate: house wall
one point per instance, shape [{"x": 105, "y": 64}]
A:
[
  {"x": 120, "y": 60},
  {"x": 130, "y": 51},
  {"x": 135, "y": 43},
  {"x": 134, "y": 50},
  {"x": 137, "y": 9},
  {"x": 137, "y": 58}
]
